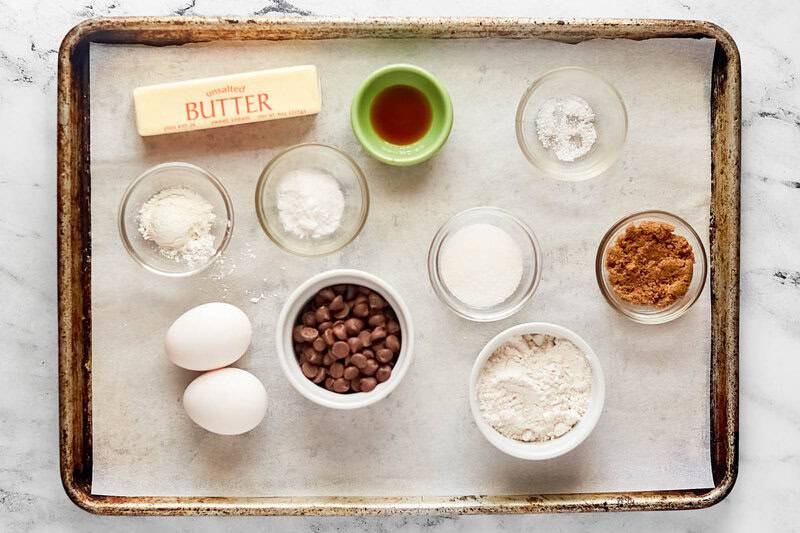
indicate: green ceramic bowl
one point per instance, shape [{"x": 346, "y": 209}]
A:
[{"x": 441, "y": 115}]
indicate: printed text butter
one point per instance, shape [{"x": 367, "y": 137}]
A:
[{"x": 227, "y": 100}]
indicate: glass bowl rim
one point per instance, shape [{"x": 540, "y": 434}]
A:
[
  {"x": 197, "y": 171},
  {"x": 438, "y": 284},
  {"x": 264, "y": 178},
  {"x": 602, "y": 248}
]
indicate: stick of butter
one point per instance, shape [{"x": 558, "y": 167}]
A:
[{"x": 227, "y": 100}]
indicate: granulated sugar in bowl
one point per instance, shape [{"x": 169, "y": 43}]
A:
[{"x": 484, "y": 263}]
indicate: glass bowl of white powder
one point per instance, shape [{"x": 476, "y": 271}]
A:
[
  {"x": 536, "y": 391},
  {"x": 312, "y": 199},
  {"x": 484, "y": 263},
  {"x": 175, "y": 219},
  {"x": 571, "y": 124}
]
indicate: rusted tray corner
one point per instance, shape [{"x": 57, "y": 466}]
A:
[{"x": 74, "y": 266}]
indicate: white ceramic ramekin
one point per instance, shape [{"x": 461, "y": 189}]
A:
[
  {"x": 536, "y": 451},
  {"x": 285, "y": 348}
]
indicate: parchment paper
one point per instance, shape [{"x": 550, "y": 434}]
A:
[{"x": 654, "y": 431}]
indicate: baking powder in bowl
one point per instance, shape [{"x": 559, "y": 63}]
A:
[
  {"x": 310, "y": 203},
  {"x": 481, "y": 265},
  {"x": 535, "y": 387}
]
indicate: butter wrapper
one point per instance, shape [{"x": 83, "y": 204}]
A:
[{"x": 227, "y": 100}]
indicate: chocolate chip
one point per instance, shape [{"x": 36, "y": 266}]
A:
[
  {"x": 337, "y": 304},
  {"x": 377, "y": 320},
  {"x": 328, "y": 336},
  {"x": 384, "y": 356},
  {"x": 355, "y": 344},
  {"x": 384, "y": 372},
  {"x": 340, "y": 349},
  {"x": 328, "y": 359},
  {"x": 327, "y": 294},
  {"x": 355, "y": 385},
  {"x": 309, "y": 319},
  {"x": 336, "y": 370},
  {"x": 393, "y": 343},
  {"x": 392, "y": 327},
  {"x": 329, "y": 384},
  {"x": 311, "y": 355},
  {"x": 369, "y": 354},
  {"x": 377, "y": 334},
  {"x": 324, "y": 325},
  {"x": 361, "y": 310},
  {"x": 340, "y": 331},
  {"x": 359, "y": 360},
  {"x": 368, "y": 384},
  {"x": 296, "y": 334},
  {"x": 351, "y": 372},
  {"x": 309, "y": 370},
  {"x": 322, "y": 314},
  {"x": 320, "y": 377},
  {"x": 342, "y": 313},
  {"x": 365, "y": 338},
  {"x": 376, "y": 301},
  {"x": 353, "y": 326},
  {"x": 341, "y": 385},
  {"x": 319, "y": 344},
  {"x": 308, "y": 334},
  {"x": 370, "y": 367}
]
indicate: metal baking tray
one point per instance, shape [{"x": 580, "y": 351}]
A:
[{"x": 75, "y": 276}]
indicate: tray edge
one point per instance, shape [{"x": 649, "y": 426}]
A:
[{"x": 74, "y": 377}]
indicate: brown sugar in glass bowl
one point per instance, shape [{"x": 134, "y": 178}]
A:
[{"x": 651, "y": 266}]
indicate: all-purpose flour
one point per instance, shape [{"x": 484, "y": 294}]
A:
[
  {"x": 179, "y": 221},
  {"x": 535, "y": 387}
]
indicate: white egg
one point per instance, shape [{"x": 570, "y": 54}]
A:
[
  {"x": 228, "y": 401},
  {"x": 209, "y": 336}
]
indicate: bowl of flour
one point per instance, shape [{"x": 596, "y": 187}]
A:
[
  {"x": 175, "y": 219},
  {"x": 536, "y": 391}
]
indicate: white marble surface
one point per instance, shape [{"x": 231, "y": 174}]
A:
[{"x": 31, "y": 498}]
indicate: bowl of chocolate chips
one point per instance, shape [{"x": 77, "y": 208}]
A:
[{"x": 345, "y": 339}]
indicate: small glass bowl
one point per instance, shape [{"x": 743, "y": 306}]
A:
[
  {"x": 648, "y": 314},
  {"x": 155, "y": 180},
  {"x": 611, "y": 123},
  {"x": 522, "y": 235},
  {"x": 324, "y": 158}
]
